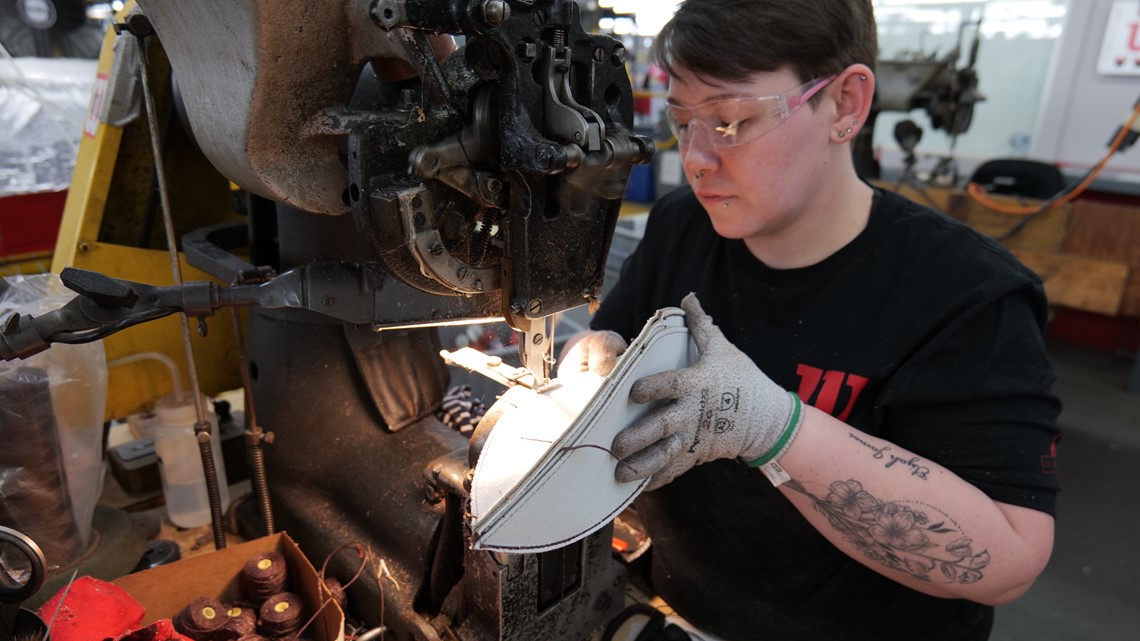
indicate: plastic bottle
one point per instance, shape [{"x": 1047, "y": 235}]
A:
[{"x": 180, "y": 462}]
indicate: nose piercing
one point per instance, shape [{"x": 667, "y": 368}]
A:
[{"x": 699, "y": 175}]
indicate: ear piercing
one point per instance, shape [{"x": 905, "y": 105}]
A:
[
  {"x": 862, "y": 76},
  {"x": 854, "y": 123}
]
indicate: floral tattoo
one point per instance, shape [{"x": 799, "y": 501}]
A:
[{"x": 899, "y": 536}]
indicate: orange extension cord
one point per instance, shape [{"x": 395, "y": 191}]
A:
[{"x": 979, "y": 193}]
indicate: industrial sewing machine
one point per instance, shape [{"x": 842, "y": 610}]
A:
[
  {"x": 936, "y": 84},
  {"x": 389, "y": 181}
]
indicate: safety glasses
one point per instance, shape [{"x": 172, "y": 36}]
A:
[{"x": 734, "y": 121}]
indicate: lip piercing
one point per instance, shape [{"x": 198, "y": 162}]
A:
[{"x": 726, "y": 205}]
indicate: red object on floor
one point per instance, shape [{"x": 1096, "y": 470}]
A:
[
  {"x": 29, "y": 223},
  {"x": 1107, "y": 334},
  {"x": 161, "y": 630},
  {"x": 93, "y": 610}
]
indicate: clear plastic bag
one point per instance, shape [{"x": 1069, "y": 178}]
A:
[{"x": 51, "y": 429}]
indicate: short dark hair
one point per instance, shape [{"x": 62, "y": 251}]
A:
[{"x": 733, "y": 39}]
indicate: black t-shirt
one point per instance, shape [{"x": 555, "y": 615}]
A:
[{"x": 920, "y": 331}]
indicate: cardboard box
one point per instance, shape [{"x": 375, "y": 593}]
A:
[{"x": 165, "y": 590}]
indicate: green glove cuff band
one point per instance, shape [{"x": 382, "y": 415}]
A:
[{"x": 786, "y": 436}]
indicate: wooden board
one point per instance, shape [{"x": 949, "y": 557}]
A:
[
  {"x": 1087, "y": 284},
  {"x": 1108, "y": 232}
]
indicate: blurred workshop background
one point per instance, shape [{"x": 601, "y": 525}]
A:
[{"x": 1026, "y": 98}]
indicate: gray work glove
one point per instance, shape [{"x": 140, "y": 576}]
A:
[
  {"x": 595, "y": 352},
  {"x": 723, "y": 407}
]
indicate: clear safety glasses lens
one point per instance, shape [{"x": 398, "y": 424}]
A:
[{"x": 735, "y": 121}]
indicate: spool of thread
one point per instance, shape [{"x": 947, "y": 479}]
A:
[
  {"x": 281, "y": 615},
  {"x": 336, "y": 591},
  {"x": 33, "y": 482},
  {"x": 201, "y": 618},
  {"x": 264, "y": 576},
  {"x": 241, "y": 621}
]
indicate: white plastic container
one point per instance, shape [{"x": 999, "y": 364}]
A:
[{"x": 180, "y": 462}]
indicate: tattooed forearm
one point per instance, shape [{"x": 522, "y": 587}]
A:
[
  {"x": 900, "y": 536},
  {"x": 914, "y": 463}
]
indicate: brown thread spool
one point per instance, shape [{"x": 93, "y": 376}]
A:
[
  {"x": 241, "y": 621},
  {"x": 201, "y": 618},
  {"x": 263, "y": 576},
  {"x": 281, "y": 615},
  {"x": 336, "y": 592}
]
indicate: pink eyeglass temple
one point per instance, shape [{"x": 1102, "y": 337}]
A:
[{"x": 796, "y": 102}]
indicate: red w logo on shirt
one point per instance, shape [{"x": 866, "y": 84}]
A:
[{"x": 822, "y": 389}]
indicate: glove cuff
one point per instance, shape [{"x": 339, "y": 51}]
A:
[{"x": 786, "y": 436}]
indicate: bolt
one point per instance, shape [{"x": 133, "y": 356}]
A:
[
  {"x": 383, "y": 14},
  {"x": 84, "y": 248},
  {"x": 577, "y": 136},
  {"x": 618, "y": 57},
  {"x": 535, "y": 307},
  {"x": 527, "y": 51}
]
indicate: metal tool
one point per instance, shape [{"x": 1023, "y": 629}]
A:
[{"x": 22, "y": 573}]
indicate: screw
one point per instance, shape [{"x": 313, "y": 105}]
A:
[
  {"x": 537, "y": 339},
  {"x": 599, "y": 54},
  {"x": 435, "y": 249},
  {"x": 461, "y": 273},
  {"x": 539, "y": 17},
  {"x": 84, "y": 248},
  {"x": 419, "y": 219},
  {"x": 329, "y": 301},
  {"x": 494, "y": 185},
  {"x": 535, "y": 307},
  {"x": 417, "y": 201},
  {"x": 478, "y": 284},
  {"x": 603, "y": 602},
  {"x": 495, "y": 12}
]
